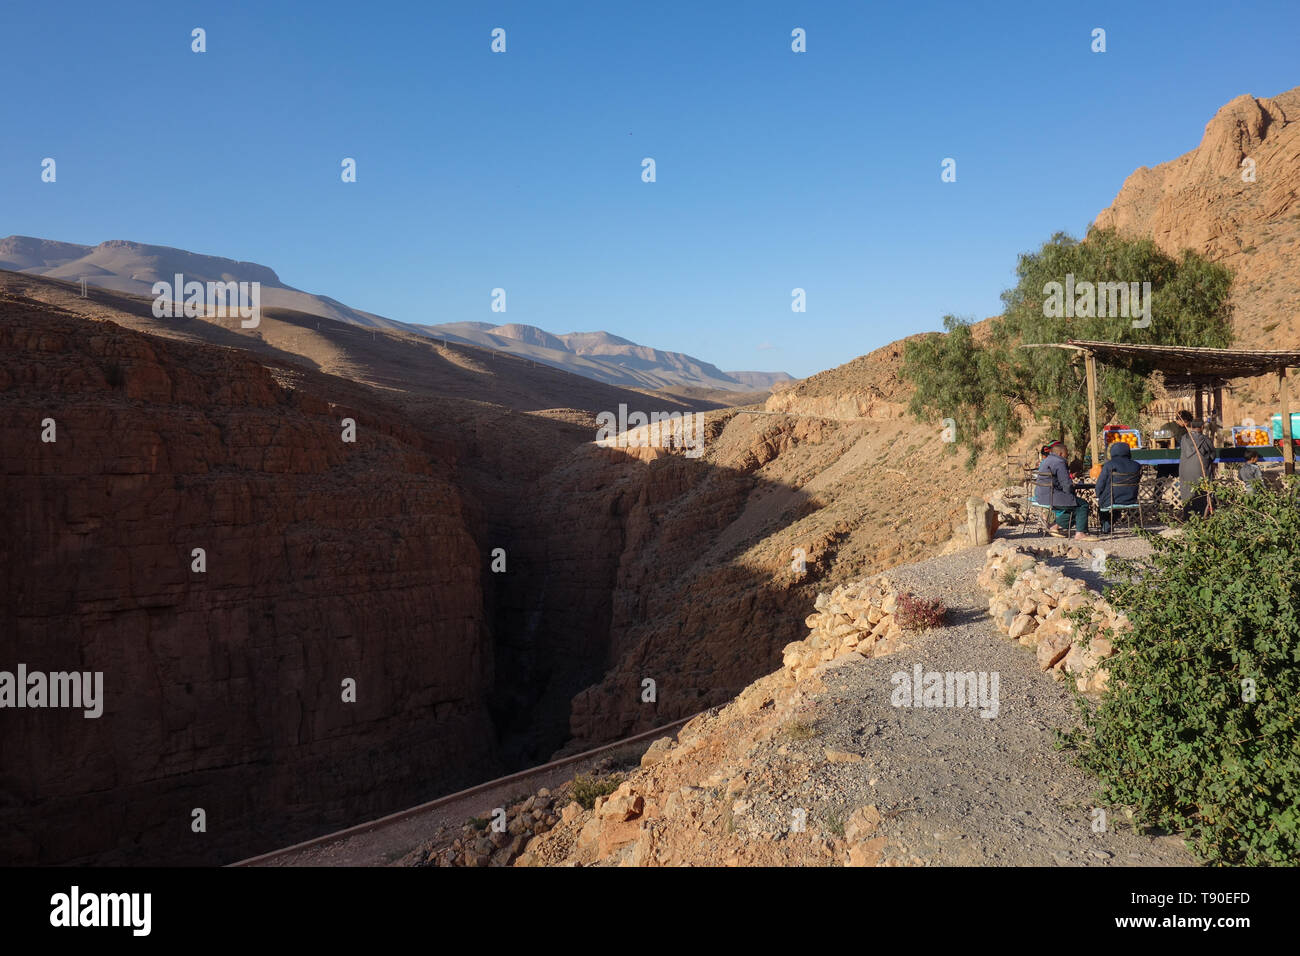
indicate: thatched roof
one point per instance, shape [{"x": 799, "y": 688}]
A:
[{"x": 1191, "y": 366}]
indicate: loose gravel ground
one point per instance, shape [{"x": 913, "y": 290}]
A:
[{"x": 956, "y": 788}]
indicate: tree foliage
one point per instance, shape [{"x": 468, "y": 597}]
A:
[{"x": 994, "y": 385}]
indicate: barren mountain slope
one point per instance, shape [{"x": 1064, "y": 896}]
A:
[
  {"x": 1199, "y": 201},
  {"x": 705, "y": 593},
  {"x": 405, "y": 363},
  {"x": 132, "y": 267},
  {"x": 605, "y": 357},
  {"x": 122, "y": 265}
]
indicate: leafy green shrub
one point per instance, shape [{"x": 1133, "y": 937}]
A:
[
  {"x": 586, "y": 789},
  {"x": 1199, "y": 730}
]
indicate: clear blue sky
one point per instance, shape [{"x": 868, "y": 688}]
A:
[{"x": 523, "y": 170}]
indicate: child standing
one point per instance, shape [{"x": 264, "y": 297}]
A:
[{"x": 1250, "y": 472}]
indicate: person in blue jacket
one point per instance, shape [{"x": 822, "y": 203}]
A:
[
  {"x": 1060, "y": 495},
  {"x": 1121, "y": 463}
]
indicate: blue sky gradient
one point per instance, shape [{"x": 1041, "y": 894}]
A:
[{"x": 522, "y": 170}]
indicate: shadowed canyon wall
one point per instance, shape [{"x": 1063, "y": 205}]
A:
[
  {"x": 372, "y": 561},
  {"x": 223, "y": 690}
]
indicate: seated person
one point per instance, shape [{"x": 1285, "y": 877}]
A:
[
  {"x": 1250, "y": 472},
  {"x": 1059, "y": 495},
  {"x": 1108, "y": 493}
]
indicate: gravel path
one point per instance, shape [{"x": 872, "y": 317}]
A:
[{"x": 956, "y": 788}]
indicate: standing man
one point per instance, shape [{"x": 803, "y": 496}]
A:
[
  {"x": 1058, "y": 494},
  {"x": 1196, "y": 461}
]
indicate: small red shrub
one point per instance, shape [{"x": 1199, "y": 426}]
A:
[{"x": 918, "y": 614}]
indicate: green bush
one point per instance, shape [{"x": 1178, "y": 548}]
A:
[
  {"x": 1176, "y": 736},
  {"x": 586, "y": 789}
]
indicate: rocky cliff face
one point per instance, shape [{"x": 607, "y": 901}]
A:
[
  {"x": 328, "y": 560},
  {"x": 325, "y": 561},
  {"x": 694, "y": 574},
  {"x": 1249, "y": 219}
]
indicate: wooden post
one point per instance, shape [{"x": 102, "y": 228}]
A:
[
  {"x": 1090, "y": 364},
  {"x": 1199, "y": 411},
  {"x": 1288, "y": 453}
]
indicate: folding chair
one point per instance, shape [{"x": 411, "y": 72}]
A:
[
  {"x": 1038, "y": 516},
  {"x": 1121, "y": 480}
]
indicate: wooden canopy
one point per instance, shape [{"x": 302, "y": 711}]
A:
[{"x": 1194, "y": 367}]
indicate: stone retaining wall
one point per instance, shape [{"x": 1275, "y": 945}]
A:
[
  {"x": 1029, "y": 602},
  {"x": 858, "y": 616}
]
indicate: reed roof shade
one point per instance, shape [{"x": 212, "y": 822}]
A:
[
  {"x": 1190, "y": 366},
  {"x": 1195, "y": 368}
]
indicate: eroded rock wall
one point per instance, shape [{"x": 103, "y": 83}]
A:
[{"x": 223, "y": 689}]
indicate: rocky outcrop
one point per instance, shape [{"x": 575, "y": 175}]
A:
[
  {"x": 496, "y": 839},
  {"x": 844, "y": 407},
  {"x": 688, "y": 800},
  {"x": 869, "y": 387},
  {"x": 225, "y": 680},
  {"x": 707, "y": 798},
  {"x": 1242, "y": 216},
  {"x": 1035, "y": 605}
]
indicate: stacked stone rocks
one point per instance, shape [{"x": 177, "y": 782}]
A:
[
  {"x": 480, "y": 844},
  {"x": 855, "y": 617},
  {"x": 1032, "y": 604}
]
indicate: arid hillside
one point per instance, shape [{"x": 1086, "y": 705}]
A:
[
  {"x": 1247, "y": 217},
  {"x": 707, "y": 592},
  {"x": 120, "y": 265},
  {"x": 409, "y": 366},
  {"x": 620, "y": 564}
]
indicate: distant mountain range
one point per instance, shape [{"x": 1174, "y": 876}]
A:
[
  {"x": 133, "y": 267},
  {"x": 606, "y": 357}
]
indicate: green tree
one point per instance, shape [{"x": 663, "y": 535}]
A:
[
  {"x": 997, "y": 384},
  {"x": 954, "y": 377}
]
